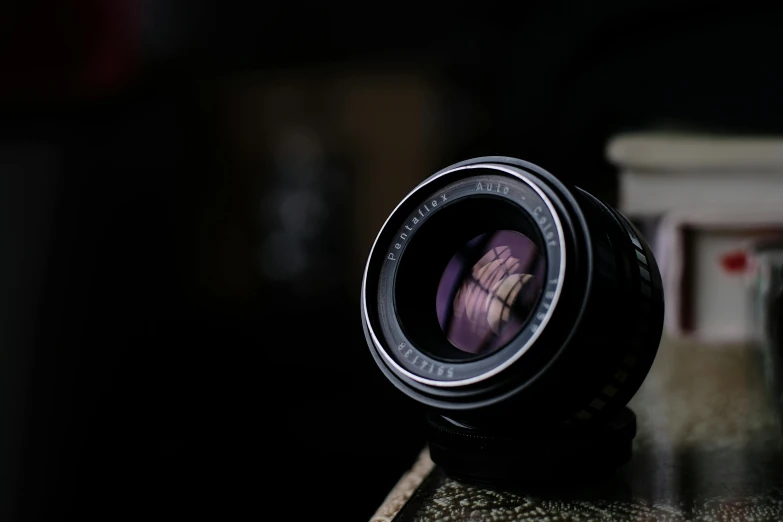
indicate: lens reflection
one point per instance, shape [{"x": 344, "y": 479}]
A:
[{"x": 484, "y": 306}]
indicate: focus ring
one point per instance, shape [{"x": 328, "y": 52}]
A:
[{"x": 645, "y": 296}]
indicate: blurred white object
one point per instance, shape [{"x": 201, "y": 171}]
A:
[
  {"x": 704, "y": 260},
  {"x": 644, "y": 193},
  {"x": 701, "y": 201},
  {"x": 663, "y": 172},
  {"x": 676, "y": 152}
]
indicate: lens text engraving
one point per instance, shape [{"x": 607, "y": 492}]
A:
[
  {"x": 489, "y": 186},
  {"x": 422, "y": 211},
  {"x": 546, "y": 225}
]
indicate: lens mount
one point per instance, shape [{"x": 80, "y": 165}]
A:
[{"x": 591, "y": 328}]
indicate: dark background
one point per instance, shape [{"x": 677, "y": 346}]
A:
[{"x": 188, "y": 190}]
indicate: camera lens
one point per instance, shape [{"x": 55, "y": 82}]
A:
[
  {"x": 488, "y": 290},
  {"x": 499, "y": 296}
]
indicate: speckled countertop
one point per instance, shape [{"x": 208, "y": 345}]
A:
[{"x": 709, "y": 448}]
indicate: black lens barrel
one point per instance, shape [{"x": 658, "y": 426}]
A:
[{"x": 598, "y": 326}]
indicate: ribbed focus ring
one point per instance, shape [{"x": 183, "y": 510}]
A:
[{"x": 644, "y": 295}]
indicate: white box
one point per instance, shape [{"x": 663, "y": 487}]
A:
[
  {"x": 702, "y": 200},
  {"x": 705, "y": 265}
]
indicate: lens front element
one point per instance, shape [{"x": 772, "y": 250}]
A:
[{"x": 489, "y": 289}]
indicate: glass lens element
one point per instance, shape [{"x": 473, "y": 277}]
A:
[{"x": 489, "y": 289}]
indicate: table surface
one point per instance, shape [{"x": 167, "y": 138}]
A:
[{"x": 709, "y": 447}]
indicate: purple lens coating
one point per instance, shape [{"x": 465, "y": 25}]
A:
[{"x": 483, "y": 307}]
